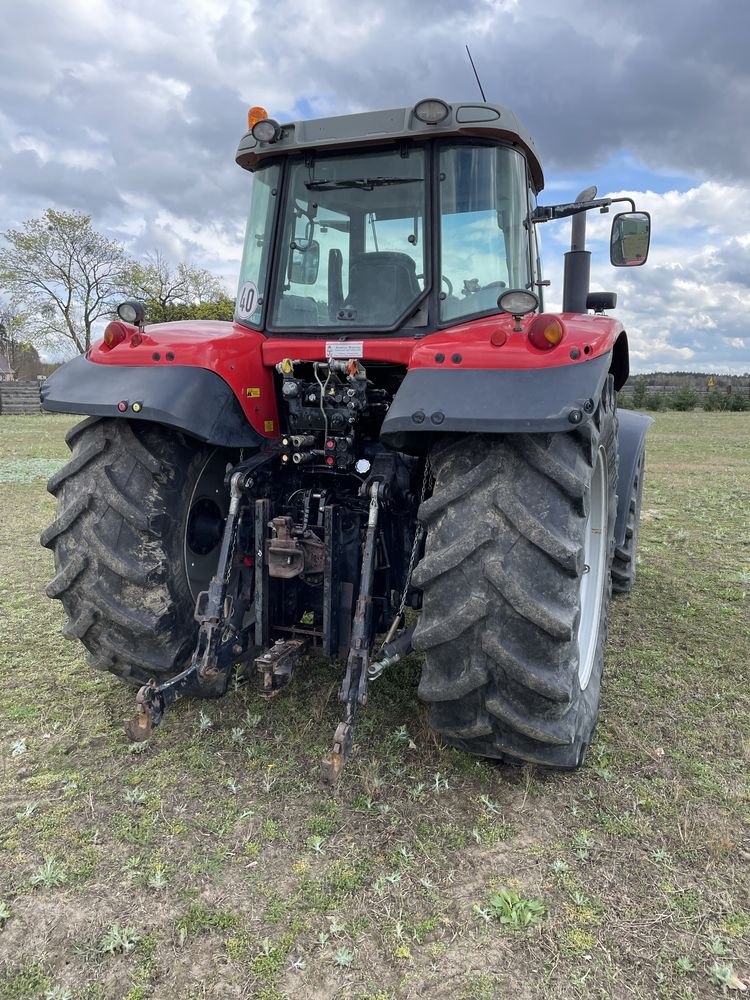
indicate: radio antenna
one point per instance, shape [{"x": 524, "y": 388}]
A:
[{"x": 479, "y": 82}]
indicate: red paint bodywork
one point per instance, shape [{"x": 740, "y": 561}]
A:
[{"x": 245, "y": 359}]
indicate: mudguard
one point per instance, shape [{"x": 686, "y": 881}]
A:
[
  {"x": 492, "y": 401},
  {"x": 631, "y": 442},
  {"x": 191, "y": 399}
]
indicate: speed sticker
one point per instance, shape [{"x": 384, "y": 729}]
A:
[
  {"x": 247, "y": 300},
  {"x": 345, "y": 348}
]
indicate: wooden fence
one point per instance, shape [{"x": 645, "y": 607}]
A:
[{"x": 19, "y": 397}]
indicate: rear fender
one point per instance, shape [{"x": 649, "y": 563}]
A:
[
  {"x": 204, "y": 377},
  {"x": 433, "y": 401},
  {"x": 631, "y": 439},
  {"x": 194, "y": 400}
]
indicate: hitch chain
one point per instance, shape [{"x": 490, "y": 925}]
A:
[{"x": 376, "y": 669}]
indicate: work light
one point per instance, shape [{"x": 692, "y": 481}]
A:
[
  {"x": 431, "y": 111},
  {"x": 517, "y": 302},
  {"x": 132, "y": 312},
  {"x": 266, "y": 130}
]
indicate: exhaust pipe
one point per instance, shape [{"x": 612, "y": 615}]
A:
[{"x": 577, "y": 273}]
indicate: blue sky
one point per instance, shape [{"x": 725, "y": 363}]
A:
[{"x": 132, "y": 111}]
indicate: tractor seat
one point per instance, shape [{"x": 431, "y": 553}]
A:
[
  {"x": 382, "y": 285},
  {"x": 297, "y": 310}
]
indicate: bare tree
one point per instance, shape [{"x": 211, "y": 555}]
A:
[
  {"x": 65, "y": 273},
  {"x": 171, "y": 292},
  {"x": 14, "y": 331}
]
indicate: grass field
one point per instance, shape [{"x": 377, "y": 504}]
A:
[{"x": 212, "y": 863}]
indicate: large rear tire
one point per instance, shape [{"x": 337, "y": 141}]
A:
[
  {"x": 516, "y": 585},
  {"x": 140, "y": 510}
]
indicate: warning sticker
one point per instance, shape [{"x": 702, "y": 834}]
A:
[
  {"x": 345, "y": 348},
  {"x": 253, "y": 393}
]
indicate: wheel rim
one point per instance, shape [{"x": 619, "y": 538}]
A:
[
  {"x": 593, "y": 579},
  {"x": 207, "y": 511}
]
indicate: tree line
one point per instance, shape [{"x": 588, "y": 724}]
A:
[
  {"x": 687, "y": 391},
  {"x": 59, "y": 278}
]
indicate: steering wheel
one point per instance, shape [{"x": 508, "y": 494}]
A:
[{"x": 442, "y": 278}]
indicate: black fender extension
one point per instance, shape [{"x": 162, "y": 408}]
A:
[
  {"x": 432, "y": 401},
  {"x": 194, "y": 400},
  {"x": 631, "y": 435}
]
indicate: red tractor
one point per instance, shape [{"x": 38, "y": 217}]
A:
[{"x": 392, "y": 421}]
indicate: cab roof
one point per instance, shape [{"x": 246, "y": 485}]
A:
[{"x": 480, "y": 120}]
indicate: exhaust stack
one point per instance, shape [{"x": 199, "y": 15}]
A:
[{"x": 578, "y": 261}]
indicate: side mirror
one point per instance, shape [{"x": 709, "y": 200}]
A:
[
  {"x": 305, "y": 264},
  {"x": 630, "y": 239}
]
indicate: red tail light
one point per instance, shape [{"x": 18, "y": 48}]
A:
[
  {"x": 115, "y": 333},
  {"x": 546, "y": 332}
]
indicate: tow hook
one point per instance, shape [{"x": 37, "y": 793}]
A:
[{"x": 277, "y": 664}]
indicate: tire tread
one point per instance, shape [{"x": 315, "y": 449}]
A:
[{"x": 500, "y": 581}]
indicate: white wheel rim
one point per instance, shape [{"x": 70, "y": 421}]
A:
[{"x": 595, "y": 566}]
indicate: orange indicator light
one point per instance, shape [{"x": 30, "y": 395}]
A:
[
  {"x": 546, "y": 332},
  {"x": 256, "y": 114},
  {"x": 115, "y": 333}
]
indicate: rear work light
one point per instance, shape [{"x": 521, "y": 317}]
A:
[
  {"x": 115, "y": 333},
  {"x": 132, "y": 311},
  {"x": 266, "y": 130},
  {"x": 546, "y": 332},
  {"x": 431, "y": 111}
]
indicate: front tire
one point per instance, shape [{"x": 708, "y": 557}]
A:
[
  {"x": 516, "y": 585},
  {"x": 137, "y": 531}
]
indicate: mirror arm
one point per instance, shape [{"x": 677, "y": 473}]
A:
[
  {"x": 627, "y": 199},
  {"x": 546, "y": 213}
]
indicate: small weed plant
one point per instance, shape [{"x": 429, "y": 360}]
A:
[
  {"x": 515, "y": 912},
  {"x": 343, "y": 957},
  {"x": 58, "y": 993},
  {"x": 118, "y": 940},
  {"x": 135, "y": 796},
  {"x": 28, "y": 810},
  {"x": 50, "y": 874}
]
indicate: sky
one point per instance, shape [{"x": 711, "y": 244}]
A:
[{"x": 132, "y": 112}]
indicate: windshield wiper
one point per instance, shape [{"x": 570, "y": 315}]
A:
[{"x": 362, "y": 183}]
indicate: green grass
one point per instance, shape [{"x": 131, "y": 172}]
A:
[{"x": 211, "y": 862}]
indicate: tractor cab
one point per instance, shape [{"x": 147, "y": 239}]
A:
[{"x": 400, "y": 220}]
